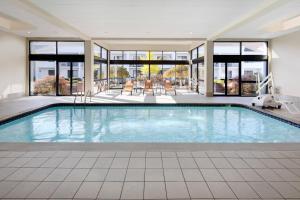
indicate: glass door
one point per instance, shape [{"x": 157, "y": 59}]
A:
[
  {"x": 64, "y": 78},
  {"x": 233, "y": 79},
  {"x": 227, "y": 78},
  {"x": 70, "y": 78}
]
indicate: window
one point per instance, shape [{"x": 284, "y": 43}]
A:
[
  {"x": 118, "y": 75},
  {"x": 43, "y": 77},
  {"x": 200, "y": 51},
  {"x": 103, "y": 71},
  {"x": 97, "y": 51},
  {"x": 129, "y": 55},
  {"x": 116, "y": 55},
  {"x": 97, "y": 71},
  {"x": 155, "y": 55},
  {"x": 42, "y": 47},
  {"x": 182, "y": 75},
  {"x": 182, "y": 56},
  {"x": 226, "y": 48},
  {"x": 194, "y": 54},
  {"x": 169, "y": 73},
  {"x": 251, "y": 68},
  {"x": 156, "y": 73},
  {"x": 169, "y": 55},
  {"x": 104, "y": 53},
  {"x": 219, "y": 78},
  {"x": 254, "y": 48},
  {"x": 143, "y": 55},
  {"x": 74, "y": 48}
]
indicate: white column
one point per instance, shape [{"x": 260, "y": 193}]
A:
[
  {"x": 208, "y": 65},
  {"x": 88, "y": 65}
]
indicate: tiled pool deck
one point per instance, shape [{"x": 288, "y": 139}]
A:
[
  {"x": 150, "y": 175},
  {"x": 145, "y": 171}
]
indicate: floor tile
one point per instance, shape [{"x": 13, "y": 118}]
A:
[
  {"x": 5, "y": 161},
  {"x": 61, "y": 154},
  {"x": 231, "y": 175},
  {"x": 110, "y": 190},
  {"x": 22, "y": 190},
  {"x": 138, "y": 154},
  {"x": 39, "y": 174},
  {"x": 153, "y": 154},
  {"x": 259, "y": 154},
  {"x": 107, "y": 154},
  {"x": 19, "y": 162},
  {"x": 220, "y": 190},
  {"x": 154, "y": 175},
  {"x": 43, "y": 154},
  {"x": 123, "y": 154},
  {"x": 44, "y": 190},
  {"x": 137, "y": 163},
  {"x": 185, "y": 154},
  {"x": 177, "y": 190},
  {"x": 242, "y": 190},
  {"x": 199, "y": 154},
  {"x": 170, "y": 163},
  {"x": 77, "y": 175},
  {"x": 192, "y": 175},
  {"x": 204, "y": 163},
  {"x": 116, "y": 175},
  {"x": 5, "y": 172},
  {"x": 86, "y": 163},
  {"x": 58, "y": 175},
  {"x": 66, "y": 190},
  {"x": 69, "y": 163},
  {"x": 187, "y": 163},
  {"x": 221, "y": 163},
  {"x": 96, "y": 175},
  {"x": 135, "y": 175},
  {"x": 153, "y": 163},
  {"x": 88, "y": 190},
  {"x": 120, "y": 163},
  {"x": 230, "y": 154},
  {"x": 288, "y": 163},
  {"x": 274, "y": 154},
  {"x": 103, "y": 163},
  {"x": 211, "y": 175},
  {"x": 168, "y": 154},
  {"x": 268, "y": 175},
  {"x": 255, "y": 163},
  {"x": 214, "y": 154},
  {"x": 286, "y": 175},
  {"x": 238, "y": 163},
  {"x": 155, "y": 190},
  {"x": 250, "y": 175},
  {"x": 285, "y": 189},
  {"x": 6, "y": 187},
  {"x": 264, "y": 190},
  {"x": 53, "y": 162},
  {"x": 198, "y": 190},
  {"x": 271, "y": 163},
  {"x": 20, "y": 174},
  {"x": 92, "y": 154},
  {"x": 35, "y": 162},
  {"x": 76, "y": 154},
  {"x": 133, "y": 190},
  {"x": 173, "y": 175}
]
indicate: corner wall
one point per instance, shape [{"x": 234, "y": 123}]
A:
[
  {"x": 285, "y": 64},
  {"x": 12, "y": 65}
]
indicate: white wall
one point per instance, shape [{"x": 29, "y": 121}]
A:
[
  {"x": 285, "y": 63},
  {"x": 12, "y": 65}
]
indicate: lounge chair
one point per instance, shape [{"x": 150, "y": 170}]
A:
[
  {"x": 168, "y": 87},
  {"x": 128, "y": 87},
  {"x": 148, "y": 87}
]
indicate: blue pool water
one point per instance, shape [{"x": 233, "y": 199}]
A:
[{"x": 148, "y": 124}]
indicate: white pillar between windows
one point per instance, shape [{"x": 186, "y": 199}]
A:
[
  {"x": 208, "y": 64},
  {"x": 88, "y": 66}
]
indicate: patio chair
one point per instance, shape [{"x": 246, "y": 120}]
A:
[
  {"x": 168, "y": 87},
  {"x": 148, "y": 87},
  {"x": 128, "y": 87}
]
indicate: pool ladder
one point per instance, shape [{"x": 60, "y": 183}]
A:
[{"x": 88, "y": 94}]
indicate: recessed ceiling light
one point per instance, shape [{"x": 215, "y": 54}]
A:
[
  {"x": 28, "y": 32},
  {"x": 191, "y": 33}
]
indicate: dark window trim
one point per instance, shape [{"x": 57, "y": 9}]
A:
[{"x": 239, "y": 59}]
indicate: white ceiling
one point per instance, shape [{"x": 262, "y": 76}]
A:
[{"x": 155, "y": 20}]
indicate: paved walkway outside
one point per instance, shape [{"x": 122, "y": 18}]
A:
[{"x": 150, "y": 175}]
